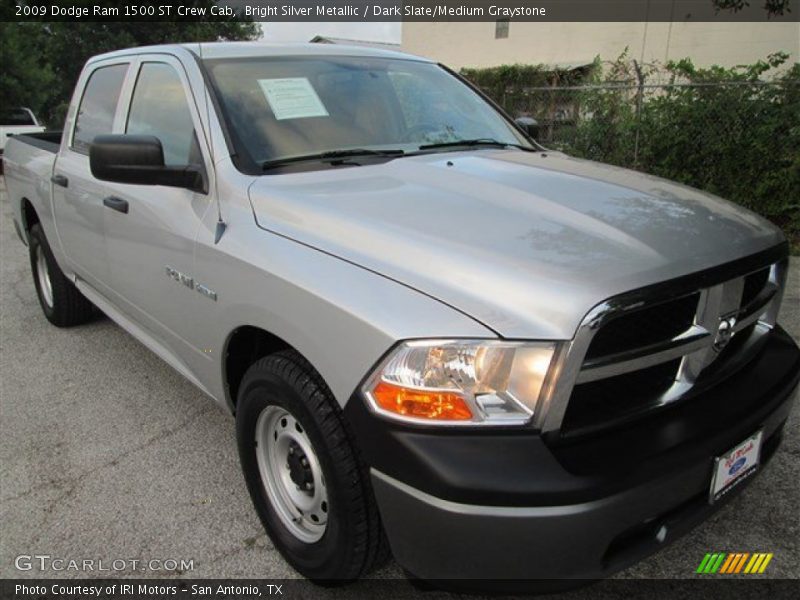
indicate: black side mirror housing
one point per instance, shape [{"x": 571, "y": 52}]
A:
[
  {"x": 529, "y": 125},
  {"x": 139, "y": 159}
]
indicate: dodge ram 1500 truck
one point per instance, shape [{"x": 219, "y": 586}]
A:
[{"x": 438, "y": 339}]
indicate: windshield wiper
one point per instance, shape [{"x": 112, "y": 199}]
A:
[
  {"x": 330, "y": 156},
  {"x": 488, "y": 142}
]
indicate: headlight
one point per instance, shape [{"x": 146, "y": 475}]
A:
[{"x": 460, "y": 381}]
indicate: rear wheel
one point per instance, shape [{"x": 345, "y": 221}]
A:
[
  {"x": 307, "y": 482},
  {"x": 62, "y": 303}
]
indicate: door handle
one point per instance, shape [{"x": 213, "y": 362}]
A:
[
  {"x": 60, "y": 180},
  {"x": 117, "y": 204}
]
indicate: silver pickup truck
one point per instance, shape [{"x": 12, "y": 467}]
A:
[{"x": 438, "y": 339}]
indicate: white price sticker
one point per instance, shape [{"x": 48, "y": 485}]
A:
[{"x": 292, "y": 98}]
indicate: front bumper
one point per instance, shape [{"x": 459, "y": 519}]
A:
[{"x": 479, "y": 505}]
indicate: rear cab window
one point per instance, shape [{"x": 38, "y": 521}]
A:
[{"x": 98, "y": 105}]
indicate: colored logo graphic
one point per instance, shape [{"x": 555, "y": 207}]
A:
[
  {"x": 737, "y": 466},
  {"x": 735, "y": 562}
]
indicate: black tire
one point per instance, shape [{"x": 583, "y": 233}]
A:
[
  {"x": 67, "y": 306},
  {"x": 353, "y": 543}
]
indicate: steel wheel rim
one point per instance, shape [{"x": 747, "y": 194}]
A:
[
  {"x": 43, "y": 274},
  {"x": 291, "y": 474}
]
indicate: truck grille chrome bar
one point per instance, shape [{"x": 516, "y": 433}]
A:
[
  {"x": 689, "y": 341},
  {"x": 642, "y": 350}
]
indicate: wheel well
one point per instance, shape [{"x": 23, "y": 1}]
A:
[
  {"x": 29, "y": 216},
  {"x": 245, "y": 346}
]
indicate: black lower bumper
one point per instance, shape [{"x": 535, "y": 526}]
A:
[{"x": 511, "y": 505}]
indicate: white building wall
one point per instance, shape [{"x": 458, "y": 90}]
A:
[{"x": 474, "y": 45}]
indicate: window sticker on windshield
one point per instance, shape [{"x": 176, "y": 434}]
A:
[{"x": 292, "y": 98}]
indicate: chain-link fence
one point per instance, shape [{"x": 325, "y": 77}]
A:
[
  {"x": 738, "y": 139},
  {"x": 607, "y": 121}
]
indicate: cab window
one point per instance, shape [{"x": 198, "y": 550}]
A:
[
  {"x": 159, "y": 108},
  {"x": 98, "y": 106}
]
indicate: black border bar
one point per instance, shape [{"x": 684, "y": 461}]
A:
[{"x": 677, "y": 11}]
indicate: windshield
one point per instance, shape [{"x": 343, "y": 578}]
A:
[{"x": 284, "y": 107}]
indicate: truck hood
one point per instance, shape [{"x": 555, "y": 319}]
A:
[{"x": 525, "y": 243}]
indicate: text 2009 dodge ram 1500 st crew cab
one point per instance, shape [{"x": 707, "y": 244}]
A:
[{"x": 438, "y": 339}]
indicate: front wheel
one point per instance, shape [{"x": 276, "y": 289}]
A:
[{"x": 307, "y": 482}]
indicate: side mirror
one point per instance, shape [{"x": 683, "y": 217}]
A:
[
  {"x": 529, "y": 125},
  {"x": 139, "y": 159}
]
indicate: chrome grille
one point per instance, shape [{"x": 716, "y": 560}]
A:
[
  {"x": 652, "y": 325},
  {"x": 601, "y": 403},
  {"x": 650, "y": 348}
]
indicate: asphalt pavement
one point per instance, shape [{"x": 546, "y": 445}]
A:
[{"x": 107, "y": 453}]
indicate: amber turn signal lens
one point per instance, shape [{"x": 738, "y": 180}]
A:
[{"x": 421, "y": 404}]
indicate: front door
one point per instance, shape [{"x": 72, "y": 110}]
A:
[{"x": 150, "y": 229}]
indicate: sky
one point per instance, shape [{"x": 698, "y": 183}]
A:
[{"x": 302, "y": 32}]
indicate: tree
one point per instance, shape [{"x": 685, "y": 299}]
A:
[
  {"x": 62, "y": 48},
  {"x": 24, "y": 79},
  {"x": 774, "y": 8}
]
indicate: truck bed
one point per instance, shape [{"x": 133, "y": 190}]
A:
[
  {"x": 28, "y": 163},
  {"x": 46, "y": 140}
]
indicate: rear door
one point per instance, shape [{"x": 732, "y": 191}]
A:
[
  {"x": 77, "y": 195},
  {"x": 151, "y": 246}
]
